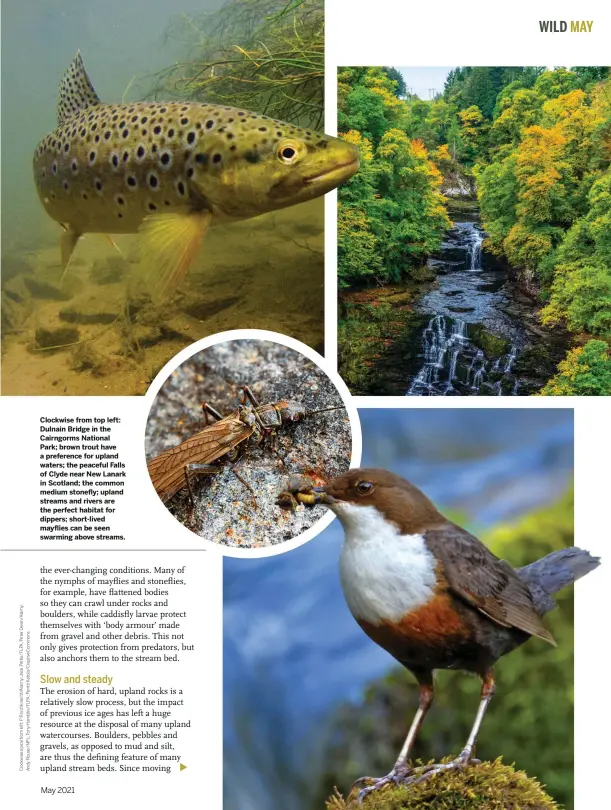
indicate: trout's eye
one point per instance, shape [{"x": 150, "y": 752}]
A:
[
  {"x": 364, "y": 487},
  {"x": 288, "y": 152}
]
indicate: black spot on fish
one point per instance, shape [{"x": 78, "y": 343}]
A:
[
  {"x": 152, "y": 207},
  {"x": 191, "y": 137},
  {"x": 131, "y": 181},
  {"x": 279, "y": 134},
  {"x": 92, "y": 157},
  {"x": 163, "y": 109},
  {"x": 322, "y": 144},
  {"x": 54, "y": 167},
  {"x": 252, "y": 156},
  {"x": 84, "y": 195},
  {"x": 184, "y": 121},
  {"x": 153, "y": 180},
  {"x": 66, "y": 186},
  {"x": 121, "y": 124},
  {"x": 120, "y": 201},
  {"x": 190, "y": 172},
  {"x": 233, "y": 147},
  {"x": 125, "y": 157},
  {"x": 229, "y": 136},
  {"x": 74, "y": 166},
  {"x": 83, "y": 132},
  {"x": 157, "y": 129},
  {"x": 165, "y": 158},
  {"x": 209, "y": 124},
  {"x": 120, "y": 215},
  {"x": 262, "y": 129},
  {"x": 97, "y": 139},
  {"x": 170, "y": 133},
  {"x": 66, "y": 147},
  {"x": 144, "y": 119},
  {"x": 125, "y": 133},
  {"x": 180, "y": 187},
  {"x": 201, "y": 158},
  {"x": 144, "y": 131},
  {"x": 106, "y": 135},
  {"x": 98, "y": 185},
  {"x": 217, "y": 157}
]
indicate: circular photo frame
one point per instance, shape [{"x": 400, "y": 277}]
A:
[{"x": 237, "y": 423}]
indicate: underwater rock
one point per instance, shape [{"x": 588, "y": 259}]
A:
[
  {"x": 109, "y": 270},
  {"x": 52, "y": 291},
  {"x": 206, "y": 309},
  {"x": 88, "y": 309},
  {"x": 56, "y": 338}
]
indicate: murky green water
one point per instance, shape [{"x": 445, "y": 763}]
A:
[{"x": 265, "y": 273}]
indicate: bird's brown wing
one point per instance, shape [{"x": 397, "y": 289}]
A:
[
  {"x": 491, "y": 585},
  {"x": 167, "y": 470}
]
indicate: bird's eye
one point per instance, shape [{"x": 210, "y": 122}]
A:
[
  {"x": 364, "y": 487},
  {"x": 288, "y": 153}
]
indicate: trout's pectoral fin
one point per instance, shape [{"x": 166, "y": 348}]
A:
[
  {"x": 169, "y": 245},
  {"x": 67, "y": 243}
]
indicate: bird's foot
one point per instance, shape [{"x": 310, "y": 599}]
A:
[
  {"x": 464, "y": 759},
  {"x": 398, "y": 776}
]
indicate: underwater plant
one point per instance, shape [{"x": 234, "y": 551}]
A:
[{"x": 266, "y": 56}]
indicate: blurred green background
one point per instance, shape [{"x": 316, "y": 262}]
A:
[{"x": 311, "y": 702}]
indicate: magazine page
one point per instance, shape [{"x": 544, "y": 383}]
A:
[{"x": 246, "y": 562}]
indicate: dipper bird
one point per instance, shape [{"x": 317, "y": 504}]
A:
[
  {"x": 172, "y": 169},
  {"x": 433, "y": 596}
]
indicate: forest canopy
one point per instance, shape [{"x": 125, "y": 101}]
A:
[{"x": 534, "y": 144}]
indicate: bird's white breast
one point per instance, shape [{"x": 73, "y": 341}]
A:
[{"x": 384, "y": 574}]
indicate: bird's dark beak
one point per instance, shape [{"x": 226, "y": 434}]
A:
[{"x": 322, "y": 496}]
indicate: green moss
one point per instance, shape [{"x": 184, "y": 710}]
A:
[
  {"x": 492, "y": 345},
  {"x": 488, "y": 786}
]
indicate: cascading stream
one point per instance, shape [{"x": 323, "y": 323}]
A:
[
  {"x": 452, "y": 364},
  {"x": 444, "y": 342}
]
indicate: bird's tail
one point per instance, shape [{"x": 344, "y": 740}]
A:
[{"x": 554, "y": 572}]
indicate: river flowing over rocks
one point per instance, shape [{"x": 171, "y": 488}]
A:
[{"x": 479, "y": 334}]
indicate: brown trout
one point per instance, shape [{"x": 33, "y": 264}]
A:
[{"x": 170, "y": 170}]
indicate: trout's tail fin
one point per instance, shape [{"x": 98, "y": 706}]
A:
[{"x": 554, "y": 572}]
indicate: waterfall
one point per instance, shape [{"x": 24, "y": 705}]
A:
[
  {"x": 441, "y": 338},
  {"x": 451, "y": 362},
  {"x": 474, "y": 249},
  {"x": 445, "y": 342}
]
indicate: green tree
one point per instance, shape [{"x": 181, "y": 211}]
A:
[
  {"x": 411, "y": 213},
  {"x": 586, "y": 372}
]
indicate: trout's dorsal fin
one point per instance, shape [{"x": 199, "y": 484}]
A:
[{"x": 76, "y": 92}]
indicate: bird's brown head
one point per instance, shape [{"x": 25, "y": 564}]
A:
[{"x": 391, "y": 495}]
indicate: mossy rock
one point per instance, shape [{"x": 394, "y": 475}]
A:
[
  {"x": 492, "y": 345},
  {"x": 487, "y": 786}
]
